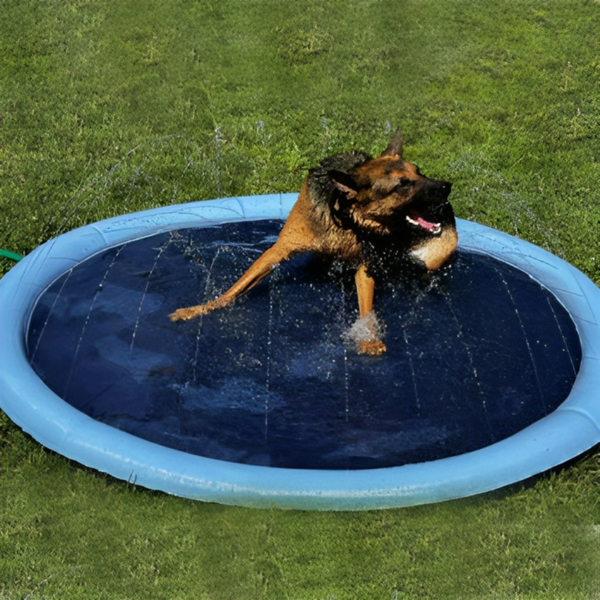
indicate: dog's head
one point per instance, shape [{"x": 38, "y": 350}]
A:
[{"x": 388, "y": 196}]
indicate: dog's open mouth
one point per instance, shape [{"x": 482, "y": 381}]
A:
[{"x": 418, "y": 221}]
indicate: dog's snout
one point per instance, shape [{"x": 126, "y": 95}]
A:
[
  {"x": 444, "y": 188},
  {"x": 436, "y": 189}
]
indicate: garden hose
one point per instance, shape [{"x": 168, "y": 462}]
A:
[{"x": 12, "y": 255}]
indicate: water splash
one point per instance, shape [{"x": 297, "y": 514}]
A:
[
  {"x": 462, "y": 338},
  {"x": 218, "y": 141},
  {"x": 136, "y": 326},
  {"x": 273, "y": 293},
  {"x": 412, "y": 369},
  {"x": 365, "y": 329},
  {"x": 207, "y": 290},
  {"x": 87, "y": 320},
  {"x": 45, "y": 325},
  {"x": 527, "y": 343},
  {"x": 562, "y": 335}
]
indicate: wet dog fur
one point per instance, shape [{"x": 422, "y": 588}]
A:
[{"x": 375, "y": 214}]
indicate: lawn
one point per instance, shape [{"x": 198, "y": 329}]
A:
[{"x": 113, "y": 106}]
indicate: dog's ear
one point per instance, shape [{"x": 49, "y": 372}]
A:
[
  {"x": 395, "y": 146},
  {"x": 345, "y": 183}
]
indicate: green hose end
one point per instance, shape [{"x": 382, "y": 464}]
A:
[{"x": 12, "y": 255}]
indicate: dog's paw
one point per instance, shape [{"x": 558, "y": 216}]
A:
[
  {"x": 185, "y": 314},
  {"x": 372, "y": 347},
  {"x": 191, "y": 312}
]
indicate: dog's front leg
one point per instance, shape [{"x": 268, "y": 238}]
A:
[
  {"x": 255, "y": 274},
  {"x": 365, "y": 288}
]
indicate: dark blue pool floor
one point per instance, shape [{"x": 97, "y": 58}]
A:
[{"x": 476, "y": 353}]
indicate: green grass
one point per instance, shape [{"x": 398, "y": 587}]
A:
[{"x": 121, "y": 105}]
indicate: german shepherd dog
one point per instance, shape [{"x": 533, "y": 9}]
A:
[{"x": 364, "y": 212}]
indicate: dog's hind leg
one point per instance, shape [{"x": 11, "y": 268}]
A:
[
  {"x": 368, "y": 342},
  {"x": 255, "y": 274},
  {"x": 296, "y": 236}
]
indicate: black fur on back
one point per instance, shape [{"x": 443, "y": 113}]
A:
[{"x": 321, "y": 189}]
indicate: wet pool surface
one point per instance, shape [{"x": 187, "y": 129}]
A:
[{"x": 475, "y": 353}]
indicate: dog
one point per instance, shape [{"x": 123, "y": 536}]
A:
[{"x": 374, "y": 214}]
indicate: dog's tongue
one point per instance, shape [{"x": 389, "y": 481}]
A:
[{"x": 422, "y": 222}]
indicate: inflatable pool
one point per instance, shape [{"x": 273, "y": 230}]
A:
[{"x": 491, "y": 376}]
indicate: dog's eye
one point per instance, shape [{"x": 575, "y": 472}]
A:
[{"x": 404, "y": 182}]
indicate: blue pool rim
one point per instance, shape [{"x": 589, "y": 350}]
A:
[{"x": 572, "y": 429}]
